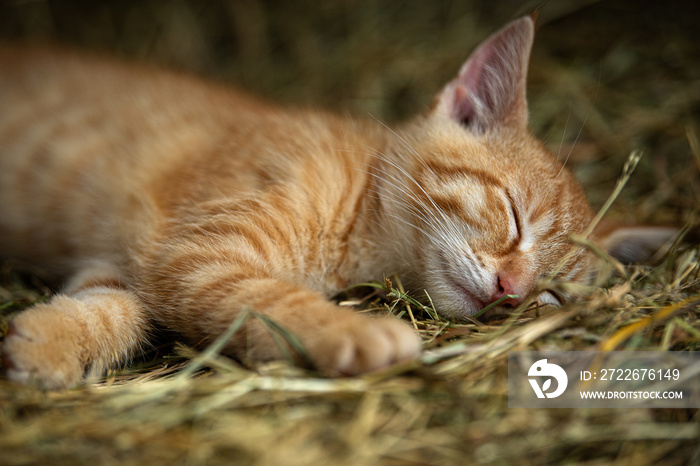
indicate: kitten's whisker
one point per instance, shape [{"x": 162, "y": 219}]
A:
[
  {"x": 434, "y": 205},
  {"x": 401, "y": 139},
  {"x": 397, "y": 200},
  {"x": 563, "y": 134},
  {"x": 405, "y": 189},
  {"x": 583, "y": 125}
]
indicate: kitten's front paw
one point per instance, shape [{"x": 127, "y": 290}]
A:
[
  {"x": 364, "y": 344},
  {"x": 39, "y": 349}
]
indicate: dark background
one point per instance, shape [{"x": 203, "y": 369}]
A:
[{"x": 606, "y": 76}]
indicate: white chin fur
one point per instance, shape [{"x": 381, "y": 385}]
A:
[{"x": 454, "y": 305}]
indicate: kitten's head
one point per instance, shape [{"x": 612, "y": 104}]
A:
[{"x": 485, "y": 208}]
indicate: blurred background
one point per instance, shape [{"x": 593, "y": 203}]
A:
[{"x": 606, "y": 76}]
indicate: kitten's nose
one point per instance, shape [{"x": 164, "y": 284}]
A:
[{"x": 506, "y": 285}]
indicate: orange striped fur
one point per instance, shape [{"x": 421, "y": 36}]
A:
[{"x": 170, "y": 202}]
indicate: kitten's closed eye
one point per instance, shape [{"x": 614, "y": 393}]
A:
[{"x": 516, "y": 220}]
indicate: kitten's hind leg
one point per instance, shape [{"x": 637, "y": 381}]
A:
[{"x": 94, "y": 325}]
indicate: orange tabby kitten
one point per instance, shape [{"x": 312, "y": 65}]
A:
[{"x": 170, "y": 202}]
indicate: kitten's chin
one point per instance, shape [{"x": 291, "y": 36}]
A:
[
  {"x": 456, "y": 301},
  {"x": 545, "y": 299}
]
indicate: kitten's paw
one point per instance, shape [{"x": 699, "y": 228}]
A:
[
  {"x": 364, "y": 344},
  {"x": 40, "y": 349}
]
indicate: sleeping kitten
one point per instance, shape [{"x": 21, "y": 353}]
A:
[{"x": 170, "y": 202}]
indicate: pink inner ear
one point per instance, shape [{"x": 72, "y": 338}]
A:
[
  {"x": 462, "y": 108},
  {"x": 490, "y": 87},
  {"x": 467, "y": 84}
]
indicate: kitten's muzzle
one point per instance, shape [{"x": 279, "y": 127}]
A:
[{"x": 507, "y": 285}]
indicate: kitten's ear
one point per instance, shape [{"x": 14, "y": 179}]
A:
[
  {"x": 489, "y": 90},
  {"x": 632, "y": 244}
]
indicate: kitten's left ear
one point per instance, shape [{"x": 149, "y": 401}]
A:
[
  {"x": 489, "y": 90},
  {"x": 632, "y": 244}
]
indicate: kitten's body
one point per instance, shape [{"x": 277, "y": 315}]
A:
[
  {"x": 168, "y": 201},
  {"x": 142, "y": 166}
]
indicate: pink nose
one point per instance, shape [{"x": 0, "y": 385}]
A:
[{"x": 505, "y": 285}]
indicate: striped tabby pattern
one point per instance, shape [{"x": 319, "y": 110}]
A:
[{"x": 169, "y": 202}]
